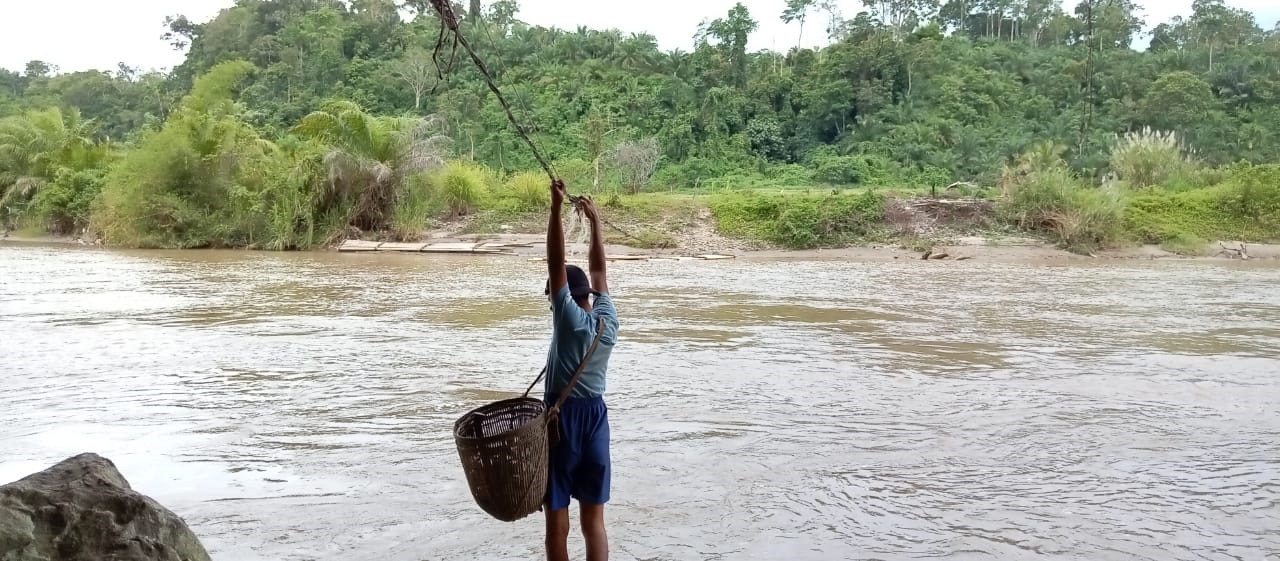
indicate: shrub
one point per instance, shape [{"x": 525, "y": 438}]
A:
[
  {"x": 1055, "y": 202},
  {"x": 1147, "y": 158},
  {"x": 854, "y": 170},
  {"x": 65, "y": 204},
  {"x": 800, "y": 221},
  {"x": 413, "y": 209},
  {"x": 577, "y": 174},
  {"x": 461, "y": 187},
  {"x": 1246, "y": 207},
  {"x": 529, "y": 191}
]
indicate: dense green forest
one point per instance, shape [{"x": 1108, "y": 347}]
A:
[{"x": 293, "y": 123}]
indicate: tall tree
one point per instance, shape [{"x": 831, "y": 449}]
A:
[
  {"x": 417, "y": 68},
  {"x": 732, "y": 33},
  {"x": 798, "y": 11}
]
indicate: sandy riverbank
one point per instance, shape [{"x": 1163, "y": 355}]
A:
[
  {"x": 961, "y": 249},
  {"x": 972, "y": 248}
]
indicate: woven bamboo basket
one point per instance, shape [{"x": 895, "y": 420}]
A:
[{"x": 503, "y": 448}]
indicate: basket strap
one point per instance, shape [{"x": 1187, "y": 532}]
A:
[{"x": 535, "y": 381}]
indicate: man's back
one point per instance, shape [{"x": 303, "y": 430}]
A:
[{"x": 573, "y": 331}]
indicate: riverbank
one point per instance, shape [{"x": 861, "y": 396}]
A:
[
  {"x": 532, "y": 246},
  {"x": 666, "y": 225},
  {"x": 963, "y": 249}
]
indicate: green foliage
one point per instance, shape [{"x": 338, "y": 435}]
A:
[
  {"x": 1183, "y": 243},
  {"x": 370, "y": 159},
  {"x": 577, "y": 175},
  {"x": 50, "y": 169},
  {"x": 1245, "y": 206},
  {"x": 1054, "y": 202},
  {"x": 462, "y": 187},
  {"x": 414, "y": 208},
  {"x": 65, "y": 204},
  {"x": 529, "y": 190},
  {"x": 179, "y": 186},
  {"x": 800, "y": 222},
  {"x": 1147, "y": 158},
  {"x": 854, "y": 170}
]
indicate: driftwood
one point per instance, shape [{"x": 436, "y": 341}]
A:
[
  {"x": 1241, "y": 252},
  {"x": 942, "y": 208},
  {"x": 923, "y": 215}
]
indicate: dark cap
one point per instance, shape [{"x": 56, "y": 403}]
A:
[{"x": 579, "y": 284}]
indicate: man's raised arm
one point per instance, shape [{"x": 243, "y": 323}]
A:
[
  {"x": 595, "y": 257},
  {"x": 556, "y": 275}
]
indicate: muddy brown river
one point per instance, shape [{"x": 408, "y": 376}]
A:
[{"x": 298, "y": 406}]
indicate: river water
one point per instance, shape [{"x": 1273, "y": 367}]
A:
[{"x": 298, "y": 406}]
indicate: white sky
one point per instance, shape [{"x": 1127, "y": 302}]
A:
[{"x": 82, "y": 34}]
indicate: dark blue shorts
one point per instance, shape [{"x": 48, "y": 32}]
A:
[{"x": 580, "y": 466}]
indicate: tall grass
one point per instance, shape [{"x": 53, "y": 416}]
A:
[
  {"x": 1147, "y": 158},
  {"x": 414, "y": 207},
  {"x": 528, "y": 191},
  {"x": 462, "y": 187},
  {"x": 1053, "y": 201}
]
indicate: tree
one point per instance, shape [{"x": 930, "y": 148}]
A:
[
  {"x": 1177, "y": 100},
  {"x": 636, "y": 162},
  {"x": 39, "y": 69},
  {"x": 1213, "y": 24},
  {"x": 36, "y": 151},
  {"x": 502, "y": 15},
  {"x": 417, "y": 69},
  {"x": 369, "y": 160},
  {"x": 732, "y": 33},
  {"x": 1115, "y": 22},
  {"x": 594, "y": 131},
  {"x": 798, "y": 10},
  {"x": 835, "y": 22},
  {"x": 892, "y": 96}
]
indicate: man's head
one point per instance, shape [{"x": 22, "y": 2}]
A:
[{"x": 579, "y": 286}]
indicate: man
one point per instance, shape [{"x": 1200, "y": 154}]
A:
[{"x": 580, "y": 466}]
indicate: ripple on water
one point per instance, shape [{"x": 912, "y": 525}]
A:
[{"x": 300, "y": 406}]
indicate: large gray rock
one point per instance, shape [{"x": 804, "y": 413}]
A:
[{"x": 82, "y": 509}]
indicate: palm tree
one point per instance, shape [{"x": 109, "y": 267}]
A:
[
  {"x": 369, "y": 160},
  {"x": 35, "y": 146}
]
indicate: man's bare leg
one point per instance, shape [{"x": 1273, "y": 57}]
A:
[
  {"x": 557, "y": 534},
  {"x": 594, "y": 533}
]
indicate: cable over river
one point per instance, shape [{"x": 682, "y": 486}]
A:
[{"x": 298, "y": 406}]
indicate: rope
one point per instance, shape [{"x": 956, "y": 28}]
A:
[
  {"x": 449, "y": 20},
  {"x": 577, "y": 207}
]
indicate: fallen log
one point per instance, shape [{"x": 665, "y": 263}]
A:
[{"x": 1241, "y": 252}]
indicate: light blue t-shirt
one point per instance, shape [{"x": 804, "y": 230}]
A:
[{"x": 573, "y": 330}]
